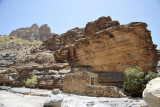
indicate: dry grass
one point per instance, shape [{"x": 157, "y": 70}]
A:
[{"x": 7, "y": 39}]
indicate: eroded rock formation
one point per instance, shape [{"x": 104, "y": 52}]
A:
[
  {"x": 109, "y": 48},
  {"x": 33, "y": 33},
  {"x": 65, "y": 39},
  {"x": 20, "y": 58}
]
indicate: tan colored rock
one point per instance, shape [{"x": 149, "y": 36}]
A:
[
  {"x": 151, "y": 94},
  {"x": 65, "y": 39},
  {"x": 102, "y": 91},
  {"x": 115, "y": 49},
  {"x": 109, "y": 48},
  {"x": 98, "y": 25},
  {"x": 75, "y": 83}
]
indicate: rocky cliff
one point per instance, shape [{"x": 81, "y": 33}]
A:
[
  {"x": 33, "y": 33},
  {"x": 109, "y": 48}
]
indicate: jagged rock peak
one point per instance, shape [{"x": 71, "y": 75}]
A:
[
  {"x": 33, "y": 33},
  {"x": 35, "y": 26},
  {"x": 100, "y": 24},
  {"x": 44, "y": 29}
]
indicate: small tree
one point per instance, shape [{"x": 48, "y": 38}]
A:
[
  {"x": 31, "y": 82},
  {"x": 134, "y": 80}
]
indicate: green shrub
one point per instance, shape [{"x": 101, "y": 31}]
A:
[
  {"x": 134, "y": 80},
  {"x": 150, "y": 76},
  {"x": 31, "y": 82}
]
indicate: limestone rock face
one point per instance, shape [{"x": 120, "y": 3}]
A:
[
  {"x": 49, "y": 73},
  {"x": 10, "y": 50},
  {"x": 115, "y": 49},
  {"x": 33, "y": 32},
  {"x": 44, "y": 32},
  {"x": 65, "y": 39},
  {"x": 109, "y": 48},
  {"x": 20, "y": 58},
  {"x": 98, "y": 25},
  {"x": 151, "y": 94}
]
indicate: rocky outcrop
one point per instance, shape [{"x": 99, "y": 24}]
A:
[
  {"x": 13, "y": 48},
  {"x": 21, "y": 59},
  {"x": 152, "y": 92},
  {"x": 10, "y": 50},
  {"x": 33, "y": 32},
  {"x": 98, "y": 25},
  {"x": 115, "y": 49},
  {"x": 109, "y": 48},
  {"x": 49, "y": 73},
  {"x": 65, "y": 39}
]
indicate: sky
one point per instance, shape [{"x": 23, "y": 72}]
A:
[{"x": 63, "y": 15}]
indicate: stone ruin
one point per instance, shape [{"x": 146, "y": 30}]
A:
[{"x": 86, "y": 83}]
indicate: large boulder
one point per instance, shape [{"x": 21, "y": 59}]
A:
[
  {"x": 114, "y": 49},
  {"x": 53, "y": 101},
  {"x": 151, "y": 94}
]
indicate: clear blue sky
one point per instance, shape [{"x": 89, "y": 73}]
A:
[{"x": 62, "y": 15}]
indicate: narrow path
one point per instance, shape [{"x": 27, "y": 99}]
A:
[{"x": 18, "y": 100}]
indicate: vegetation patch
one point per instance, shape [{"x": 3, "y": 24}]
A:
[{"x": 136, "y": 80}]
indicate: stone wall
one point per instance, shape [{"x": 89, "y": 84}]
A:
[
  {"x": 75, "y": 82},
  {"x": 102, "y": 91}
]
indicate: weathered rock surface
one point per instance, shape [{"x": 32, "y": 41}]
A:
[
  {"x": 10, "y": 50},
  {"x": 56, "y": 91},
  {"x": 67, "y": 38},
  {"x": 103, "y": 91},
  {"x": 21, "y": 60},
  {"x": 33, "y": 32},
  {"x": 98, "y": 25},
  {"x": 75, "y": 83},
  {"x": 151, "y": 94},
  {"x": 115, "y": 49},
  {"x": 55, "y": 101},
  {"x": 109, "y": 48},
  {"x": 70, "y": 100}
]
